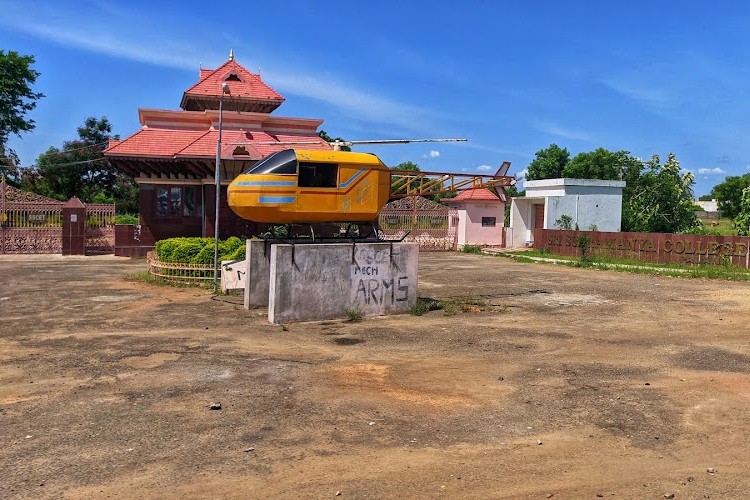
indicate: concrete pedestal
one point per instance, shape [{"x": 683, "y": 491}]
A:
[
  {"x": 322, "y": 281},
  {"x": 258, "y": 274},
  {"x": 317, "y": 282}
]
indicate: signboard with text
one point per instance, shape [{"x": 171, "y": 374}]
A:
[{"x": 650, "y": 247}]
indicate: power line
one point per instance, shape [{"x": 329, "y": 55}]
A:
[
  {"x": 65, "y": 151},
  {"x": 70, "y": 164}
]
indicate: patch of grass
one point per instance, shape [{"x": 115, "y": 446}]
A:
[
  {"x": 471, "y": 249},
  {"x": 146, "y": 277},
  {"x": 424, "y": 305},
  {"x": 354, "y": 313},
  {"x": 454, "y": 305},
  {"x": 722, "y": 227},
  {"x": 723, "y": 271}
]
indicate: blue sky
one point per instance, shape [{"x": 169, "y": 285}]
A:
[{"x": 511, "y": 77}]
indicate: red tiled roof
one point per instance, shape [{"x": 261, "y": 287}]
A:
[
  {"x": 156, "y": 142},
  {"x": 480, "y": 194},
  {"x": 250, "y": 85},
  {"x": 167, "y": 143}
]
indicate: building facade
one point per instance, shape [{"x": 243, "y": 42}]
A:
[
  {"x": 481, "y": 218},
  {"x": 173, "y": 156},
  {"x": 589, "y": 203}
]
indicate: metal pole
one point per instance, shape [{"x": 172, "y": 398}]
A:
[
  {"x": 217, "y": 177},
  {"x": 3, "y": 216}
]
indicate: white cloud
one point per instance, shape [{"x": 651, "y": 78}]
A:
[
  {"x": 649, "y": 96},
  {"x": 568, "y": 133},
  {"x": 492, "y": 149},
  {"x": 93, "y": 39},
  {"x": 128, "y": 39},
  {"x": 711, "y": 171},
  {"x": 432, "y": 154},
  {"x": 484, "y": 168}
]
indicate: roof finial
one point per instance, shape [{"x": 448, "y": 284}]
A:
[{"x": 231, "y": 54}]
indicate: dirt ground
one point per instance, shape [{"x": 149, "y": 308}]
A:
[{"x": 572, "y": 383}]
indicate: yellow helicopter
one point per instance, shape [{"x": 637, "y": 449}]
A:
[{"x": 305, "y": 186}]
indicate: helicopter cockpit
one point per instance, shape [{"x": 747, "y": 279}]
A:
[
  {"x": 310, "y": 174},
  {"x": 283, "y": 162}
]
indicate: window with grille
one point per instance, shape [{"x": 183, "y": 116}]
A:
[{"x": 175, "y": 201}]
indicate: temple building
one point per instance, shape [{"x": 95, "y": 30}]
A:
[{"x": 173, "y": 156}]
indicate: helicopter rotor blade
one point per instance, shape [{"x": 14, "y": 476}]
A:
[
  {"x": 392, "y": 141},
  {"x": 338, "y": 144},
  {"x": 503, "y": 169}
]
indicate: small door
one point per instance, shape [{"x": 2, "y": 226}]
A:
[{"x": 538, "y": 216}]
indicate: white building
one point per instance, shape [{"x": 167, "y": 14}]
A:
[{"x": 591, "y": 205}]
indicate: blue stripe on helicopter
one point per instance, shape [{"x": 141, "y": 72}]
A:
[
  {"x": 276, "y": 199},
  {"x": 353, "y": 178},
  {"x": 266, "y": 183}
]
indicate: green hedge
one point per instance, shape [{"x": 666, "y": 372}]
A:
[
  {"x": 126, "y": 219},
  {"x": 199, "y": 250}
]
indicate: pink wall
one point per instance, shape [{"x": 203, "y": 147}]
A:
[{"x": 470, "y": 229}]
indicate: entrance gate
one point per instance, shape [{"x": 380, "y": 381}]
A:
[
  {"x": 33, "y": 224},
  {"x": 432, "y": 225}
]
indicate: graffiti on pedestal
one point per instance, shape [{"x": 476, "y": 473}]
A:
[{"x": 376, "y": 279}]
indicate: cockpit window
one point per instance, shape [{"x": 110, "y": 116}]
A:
[
  {"x": 318, "y": 175},
  {"x": 283, "y": 162}
]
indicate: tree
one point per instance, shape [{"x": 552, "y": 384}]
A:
[
  {"x": 16, "y": 99},
  {"x": 407, "y": 165},
  {"x": 597, "y": 164},
  {"x": 742, "y": 220},
  {"x": 324, "y": 135},
  {"x": 80, "y": 169},
  {"x": 548, "y": 163},
  {"x": 659, "y": 199},
  {"x": 729, "y": 194}
]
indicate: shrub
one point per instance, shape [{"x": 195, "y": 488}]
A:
[
  {"x": 354, "y": 313},
  {"x": 126, "y": 219},
  {"x": 583, "y": 241},
  {"x": 564, "y": 222},
  {"x": 472, "y": 249},
  {"x": 205, "y": 256},
  {"x": 232, "y": 244},
  {"x": 186, "y": 251},
  {"x": 199, "y": 250},
  {"x": 164, "y": 248},
  {"x": 238, "y": 254}
]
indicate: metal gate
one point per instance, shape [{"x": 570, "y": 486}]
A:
[
  {"x": 100, "y": 229},
  {"x": 432, "y": 225},
  {"x": 30, "y": 223},
  {"x": 30, "y": 227}
]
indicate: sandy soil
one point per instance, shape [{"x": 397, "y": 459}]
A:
[{"x": 572, "y": 383}]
